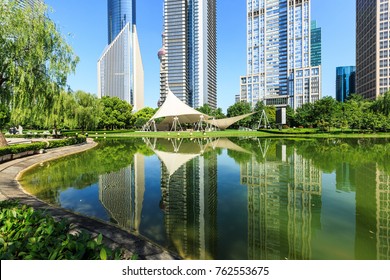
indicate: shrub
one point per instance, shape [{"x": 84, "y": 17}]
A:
[
  {"x": 19, "y": 148},
  {"x": 66, "y": 142},
  {"x": 33, "y": 235}
]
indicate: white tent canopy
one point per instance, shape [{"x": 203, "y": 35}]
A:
[
  {"x": 174, "y": 107},
  {"x": 225, "y": 123},
  {"x": 174, "y": 111}
]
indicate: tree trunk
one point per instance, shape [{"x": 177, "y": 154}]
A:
[{"x": 3, "y": 141}]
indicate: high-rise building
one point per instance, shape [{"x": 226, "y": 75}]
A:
[
  {"x": 372, "y": 47},
  {"x": 279, "y": 68},
  {"x": 345, "y": 82},
  {"x": 190, "y": 46},
  {"x": 120, "y": 69},
  {"x": 316, "y": 44}
]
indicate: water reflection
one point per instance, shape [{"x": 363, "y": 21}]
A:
[
  {"x": 237, "y": 198},
  {"x": 122, "y": 193},
  {"x": 283, "y": 192}
]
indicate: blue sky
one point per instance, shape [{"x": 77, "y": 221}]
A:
[{"x": 84, "y": 24}]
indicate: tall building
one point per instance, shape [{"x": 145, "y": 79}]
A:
[
  {"x": 316, "y": 44},
  {"x": 345, "y": 82},
  {"x": 372, "y": 47},
  {"x": 279, "y": 68},
  {"x": 120, "y": 69},
  {"x": 190, "y": 46}
]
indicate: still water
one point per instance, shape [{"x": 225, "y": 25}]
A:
[{"x": 233, "y": 198}]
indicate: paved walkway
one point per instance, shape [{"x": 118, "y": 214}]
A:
[{"x": 113, "y": 236}]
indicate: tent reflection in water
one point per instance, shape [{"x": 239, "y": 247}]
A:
[
  {"x": 174, "y": 153},
  {"x": 173, "y": 112}
]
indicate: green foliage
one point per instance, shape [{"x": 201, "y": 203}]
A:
[
  {"x": 240, "y": 108},
  {"x": 5, "y": 114},
  {"x": 116, "y": 113},
  {"x": 142, "y": 116},
  {"x": 207, "y": 110},
  {"x": 26, "y": 234},
  {"x": 35, "y": 60},
  {"x": 19, "y": 148},
  {"x": 66, "y": 142},
  {"x": 47, "y": 180},
  {"x": 88, "y": 110}
]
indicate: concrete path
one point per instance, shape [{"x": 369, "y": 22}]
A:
[{"x": 113, "y": 236}]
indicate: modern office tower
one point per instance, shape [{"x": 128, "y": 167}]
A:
[
  {"x": 372, "y": 48},
  {"x": 316, "y": 44},
  {"x": 122, "y": 193},
  {"x": 191, "y": 51},
  {"x": 120, "y": 69},
  {"x": 345, "y": 82},
  {"x": 279, "y": 71}
]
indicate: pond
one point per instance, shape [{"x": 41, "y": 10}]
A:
[{"x": 244, "y": 199}]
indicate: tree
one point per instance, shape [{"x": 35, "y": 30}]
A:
[
  {"x": 382, "y": 104},
  {"x": 62, "y": 114},
  {"x": 304, "y": 115},
  {"x": 142, "y": 116},
  {"x": 35, "y": 59},
  {"x": 326, "y": 112},
  {"x": 116, "y": 113},
  {"x": 207, "y": 110},
  {"x": 240, "y": 108},
  {"x": 88, "y": 110}
]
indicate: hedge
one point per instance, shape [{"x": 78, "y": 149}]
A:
[
  {"x": 66, "y": 142},
  {"x": 19, "y": 148},
  {"x": 36, "y": 146}
]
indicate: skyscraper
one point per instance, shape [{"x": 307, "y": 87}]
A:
[
  {"x": 345, "y": 82},
  {"x": 279, "y": 70},
  {"x": 316, "y": 44},
  {"x": 190, "y": 46},
  {"x": 120, "y": 69},
  {"x": 372, "y": 47}
]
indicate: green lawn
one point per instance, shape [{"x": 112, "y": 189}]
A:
[{"x": 290, "y": 133}]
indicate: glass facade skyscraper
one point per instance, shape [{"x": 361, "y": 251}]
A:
[
  {"x": 372, "y": 48},
  {"x": 345, "y": 82},
  {"x": 190, "y": 49},
  {"x": 279, "y": 71},
  {"x": 316, "y": 45},
  {"x": 120, "y": 12},
  {"x": 120, "y": 69}
]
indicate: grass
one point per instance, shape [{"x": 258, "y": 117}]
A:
[{"x": 290, "y": 133}]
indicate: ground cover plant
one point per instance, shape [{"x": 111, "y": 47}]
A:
[{"x": 28, "y": 234}]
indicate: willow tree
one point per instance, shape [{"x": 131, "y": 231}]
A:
[{"x": 35, "y": 60}]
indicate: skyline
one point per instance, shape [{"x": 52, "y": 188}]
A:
[{"x": 86, "y": 32}]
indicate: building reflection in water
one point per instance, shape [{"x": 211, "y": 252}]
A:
[
  {"x": 122, "y": 193},
  {"x": 189, "y": 196},
  {"x": 283, "y": 199},
  {"x": 383, "y": 215},
  {"x": 372, "y": 239},
  {"x": 283, "y": 192}
]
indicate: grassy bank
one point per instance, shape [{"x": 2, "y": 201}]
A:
[
  {"x": 284, "y": 133},
  {"x": 290, "y": 133}
]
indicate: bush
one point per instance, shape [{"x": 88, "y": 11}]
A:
[
  {"x": 33, "y": 235},
  {"x": 19, "y": 148},
  {"x": 66, "y": 142}
]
